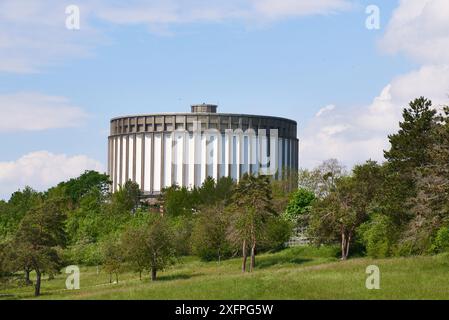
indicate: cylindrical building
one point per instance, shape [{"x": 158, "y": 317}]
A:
[{"x": 161, "y": 150}]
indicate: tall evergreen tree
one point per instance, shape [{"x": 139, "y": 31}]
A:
[
  {"x": 408, "y": 153},
  {"x": 409, "y": 145}
]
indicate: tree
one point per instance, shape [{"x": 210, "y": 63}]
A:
[
  {"x": 409, "y": 146},
  {"x": 134, "y": 248},
  {"x": 149, "y": 246},
  {"x": 159, "y": 245},
  {"x": 207, "y": 192},
  {"x": 209, "y": 238},
  {"x": 12, "y": 213},
  {"x": 133, "y": 194},
  {"x": 113, "y": 258},
  {"x": 283, "y": 189},
  {"x": 224, "y": 189},
  {"x": 251, "y": 209},
  {"x": 178, "y": 201},
  {"x": 299, "y": 205},
  {"x": 86, "y": 222},
  {"x": 40, "y": 233},
  {"x": 75, "y": 189},
  {"x": 409, "y": 152},
  {"x": 346, "y": 207},
  {"x": 322, "y": 179},
  {"x": 330, "y": 171},
  {"x": 429, "y": 207}
]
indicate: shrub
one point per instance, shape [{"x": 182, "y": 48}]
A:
[
  {"x": 278, "y": 233},
  {"x": 209, "y": 237},
  {"x": 441, "y": 241},
  {"x": 378, "y": 236},
  {"x": 299, "y": 204},
  {"x": 83, "y": 253}
]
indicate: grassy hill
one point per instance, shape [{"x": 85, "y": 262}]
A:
[{"x": 295, "y": 273}]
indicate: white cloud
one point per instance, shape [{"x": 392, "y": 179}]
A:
[
  {"x": 33, "y": 33},
  {"x": 325, "y": 110},
  {"x": 356, "y": 135},
  {"x": 35, "y": 111},
  {"x": 41, "y": 170},
  {"x": 419, "y": 29}
]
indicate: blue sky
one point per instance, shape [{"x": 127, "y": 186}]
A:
[{"x": 289, "y": 58}]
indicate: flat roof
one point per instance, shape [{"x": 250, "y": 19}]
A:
[{"x": 203, "y": 114}]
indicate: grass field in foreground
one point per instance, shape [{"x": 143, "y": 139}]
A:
[{"x": 295, "y": 273}]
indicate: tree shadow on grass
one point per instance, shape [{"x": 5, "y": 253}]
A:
[
  {"x": 267, "y": 262},
  {"x": 180, "y": 276}
]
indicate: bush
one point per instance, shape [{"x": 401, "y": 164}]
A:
[
  {"x": 209, "y": 237},
  {"x": 182, "y": 233},
  {"x": 441, "y": 241},
  {"x": 378, "y": 236},
  {"x": 278, "y": 233},
  {"x": 83, "y": 253},
  {"x": 299, "y": 204}
]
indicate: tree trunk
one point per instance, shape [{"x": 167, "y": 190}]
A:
[
  {"x": 37, "y": 287},
  {"x": 116, "y": 278},
  {"x": 343, "y": 246},
  {"x": 244, "y": 256},
  {"x": 348, "y": 243},
  {"x": 27, "y": 278},
  {"x": 253, "y": 257},
  {"x": 345, "y": 243},
  {"x": 153, "y": 274},
  {"x": 110, "y": 278},
  {"x": 140, "y": 275}
]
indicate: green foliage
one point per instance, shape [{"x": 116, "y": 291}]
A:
[
  {"x": 83, "y": 253},
  {"x": 159, "y": 243},
  {"x": 251, "y": 209},
  {"x": 178, "y": 201},
  {"x": 278, "y": 232},
  {"x": 75, "y": 189},
  {"x": 441, "y": 241},
  {"x": 300, "y": 204},
  {"x": 209, "y": 237},
  {"x": 35, "y": 245},
  {"x": 134, "y": 248},
  {"x": 182, "y": 227},
  {"x": 113, "y": 257},
  {"x": 409, "y": 145},
  {"x": 378, "y": 235},
  {"x": 12, "y": 213},
  {"x": 337, "y": 216}
]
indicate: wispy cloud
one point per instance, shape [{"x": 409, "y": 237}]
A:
[
  {"x": 33, "y": 33},
  {"x": 35, "y": 111}
]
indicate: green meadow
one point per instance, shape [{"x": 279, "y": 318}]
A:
[{"x": 294, "y": 273}]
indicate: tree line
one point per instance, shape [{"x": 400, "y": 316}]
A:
[
  {"x": 397, "y": 208},
  {"x": 81, "y": 222}
]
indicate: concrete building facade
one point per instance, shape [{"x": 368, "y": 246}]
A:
[{"x": 161, "y": 150}]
